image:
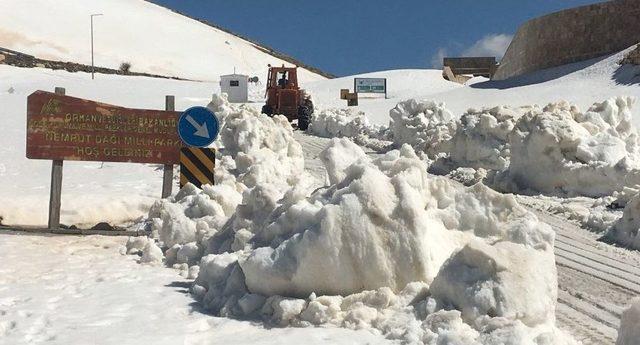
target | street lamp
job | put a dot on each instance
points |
(93, 69)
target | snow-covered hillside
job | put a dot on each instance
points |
(152, 38)
(581, 83)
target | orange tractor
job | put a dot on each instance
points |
(285, 97)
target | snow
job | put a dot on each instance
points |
(420, 124)
(114, 201)
(338, 156)
(269, 259)
(629, 333)
(337, 122)
(81, 290)
(151, 38)
(581, 83)
(376, 249)
(401, 85)
(557, 150)
(561, 151)
(627, 229)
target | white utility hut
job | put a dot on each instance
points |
(236, 87)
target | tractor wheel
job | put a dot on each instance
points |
(304, 116)
(266, 109)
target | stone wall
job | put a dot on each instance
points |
(572, 35)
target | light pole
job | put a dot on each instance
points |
(93, 68)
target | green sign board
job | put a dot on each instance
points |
(370, 85)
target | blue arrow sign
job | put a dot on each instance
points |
(198, 126)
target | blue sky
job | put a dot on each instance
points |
(346, 37)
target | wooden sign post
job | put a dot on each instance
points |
(62, 128)
(55, 194)
(167, 178)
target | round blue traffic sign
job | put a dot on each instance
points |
(198, 126)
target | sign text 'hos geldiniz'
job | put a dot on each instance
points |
(67, 128)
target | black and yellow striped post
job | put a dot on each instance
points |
(196, 165)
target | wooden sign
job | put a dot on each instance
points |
(67, 128)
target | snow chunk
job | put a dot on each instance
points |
(420, 124)
(340, 122)
(481, 138)
(135, 245)
(505, 280)
(626, 230)
(188, 253)
(338, 156)
(629, 333)
(151, 253)
(556, 150)
(219, 277)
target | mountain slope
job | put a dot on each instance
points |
(152, 38)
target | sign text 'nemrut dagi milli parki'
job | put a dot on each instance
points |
(60, 127)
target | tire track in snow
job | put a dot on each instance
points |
(582, 328)
(594, 282)
(596, 269)
(565, 245)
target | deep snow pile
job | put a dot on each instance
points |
(384, 247)
(423, 125)
(420, 259)
(629, 333)
(562, 151)
(480, 140)
(555, 150)
(340, 122)
(258, 161)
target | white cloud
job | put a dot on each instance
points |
(490, 45)
(436, 59)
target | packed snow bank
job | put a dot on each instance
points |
(555, 150)
(395, 253)
(391, 237)
(340, 122)
(420, 124)
(629, 333)
(336, 122)
(386, 227)
(562, 151)
(258, 161)
(627, 229)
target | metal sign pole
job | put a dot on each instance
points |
(167, 180)
(385, 88)
(56, 185)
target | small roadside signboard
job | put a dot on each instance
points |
(198, 127)
(61, 127)
(370, 85)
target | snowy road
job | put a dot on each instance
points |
(595, 282)
(72, 290)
